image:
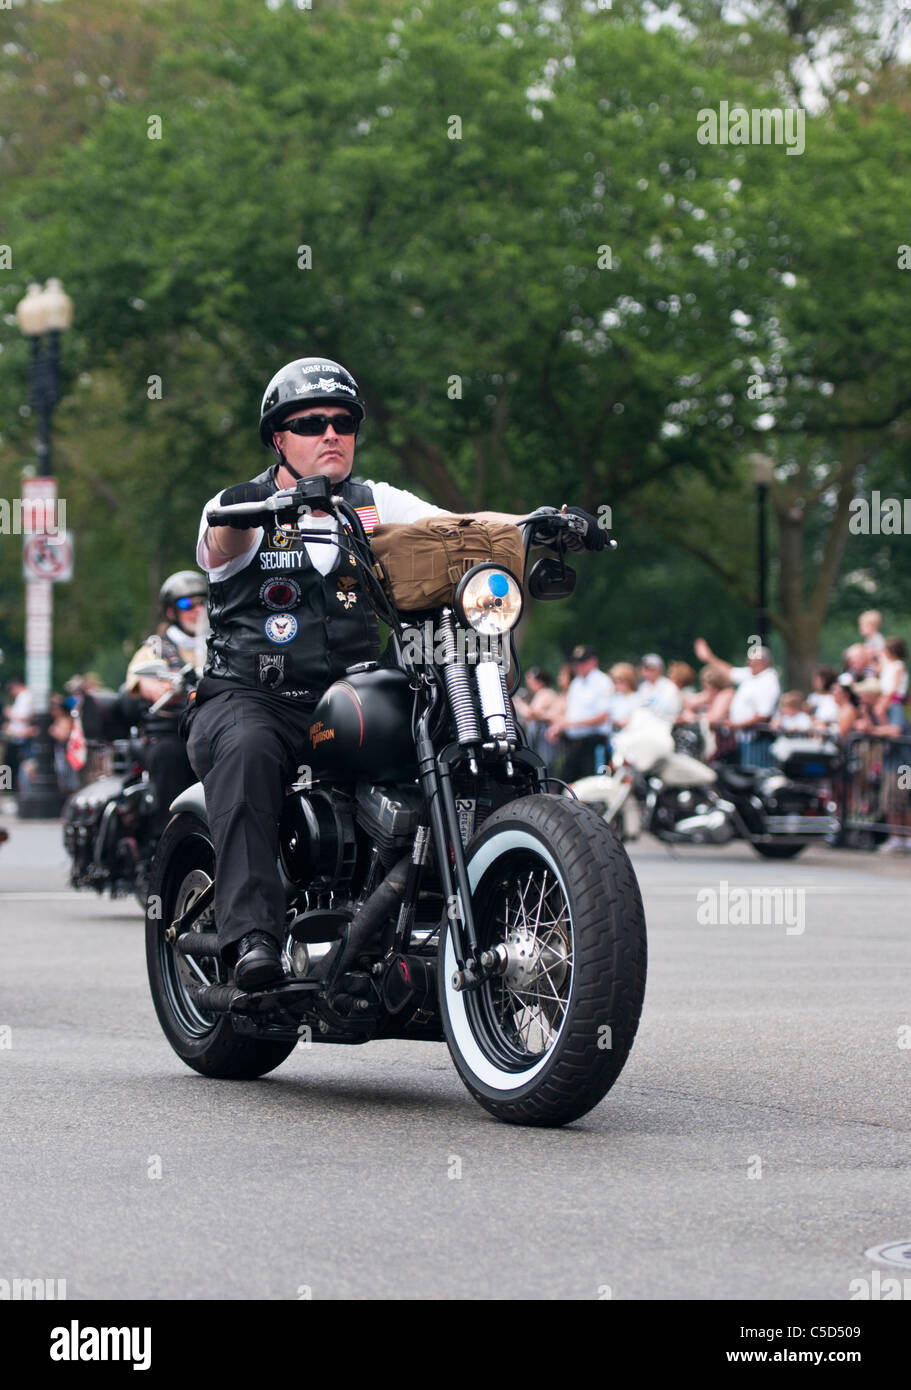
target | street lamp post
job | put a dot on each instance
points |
(764, 474)
(48, 310)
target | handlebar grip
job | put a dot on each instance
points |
(223, 516)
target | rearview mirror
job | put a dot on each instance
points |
(550, 578)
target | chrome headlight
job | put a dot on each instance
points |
(489, 599)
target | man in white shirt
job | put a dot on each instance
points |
(657, 692)
(18, 727)
(288, 616)
(758, 689)
(586, 723)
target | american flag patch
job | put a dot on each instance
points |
(369, 518)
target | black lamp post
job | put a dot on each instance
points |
(764, 474)
(42, 311)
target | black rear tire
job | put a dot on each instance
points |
(544, 1042)
(779, 851)
(183, 863)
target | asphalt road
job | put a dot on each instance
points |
(755, 1146)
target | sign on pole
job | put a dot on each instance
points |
(44, 557)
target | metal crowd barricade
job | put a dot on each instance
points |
(745, 747)
(876, 784)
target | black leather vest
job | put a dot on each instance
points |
(278, 625)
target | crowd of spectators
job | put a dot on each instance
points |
(19, 729)
(571, 720)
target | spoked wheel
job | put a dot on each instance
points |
(521, 1013)
(183, 868)
(555, 898)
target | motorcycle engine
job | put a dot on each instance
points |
(316, 840)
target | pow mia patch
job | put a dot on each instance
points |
(281, 627)
(271, 669)
(280, 593)
(280, 539)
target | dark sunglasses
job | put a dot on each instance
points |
(192, 601)
(312, 425)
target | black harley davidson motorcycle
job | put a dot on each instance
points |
(438, 884)
(110, 827)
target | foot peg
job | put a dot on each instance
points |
(198, 943)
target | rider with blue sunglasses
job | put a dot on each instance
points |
(178, 642)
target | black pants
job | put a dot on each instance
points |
(579, 760)
(246, 749)
(170, 770)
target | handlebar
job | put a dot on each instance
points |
(179, 682)
(543, 527)
(281, 501)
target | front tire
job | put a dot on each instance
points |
(183, 866)
(544, 1041)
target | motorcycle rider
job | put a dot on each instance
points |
(288, 616)
(182, 601)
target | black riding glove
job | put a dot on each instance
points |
(247, 492)
(543, 533)
(592, 538)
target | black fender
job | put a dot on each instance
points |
(192, 799)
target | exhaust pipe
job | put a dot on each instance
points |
(709, 827)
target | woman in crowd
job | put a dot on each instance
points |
(715, 696)
(683, 676)
(893, 677)
(821, 701)
(625, 697)
(538, 710)
(847, 704)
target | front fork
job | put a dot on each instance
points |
(473, 967)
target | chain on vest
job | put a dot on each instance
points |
(281, 626)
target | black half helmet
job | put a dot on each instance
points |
(307, 381)
(183, 584)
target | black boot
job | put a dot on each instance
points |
(259, 962)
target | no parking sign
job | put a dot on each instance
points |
(48, 557)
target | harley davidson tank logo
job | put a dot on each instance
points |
(271, 669)
(280, 593)
(318, 734)
(281, 627)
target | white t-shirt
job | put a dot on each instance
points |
(661, 697)
(755, 695)
(622, 705)
(797, 723)
(587, 696)
(823, 706)
(21, 714)
(393, 505)
(893, 677)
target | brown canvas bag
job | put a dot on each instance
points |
(426, 559)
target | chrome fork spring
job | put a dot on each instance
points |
(455, 674)
(511, 734)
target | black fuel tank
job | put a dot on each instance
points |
(362, 726)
